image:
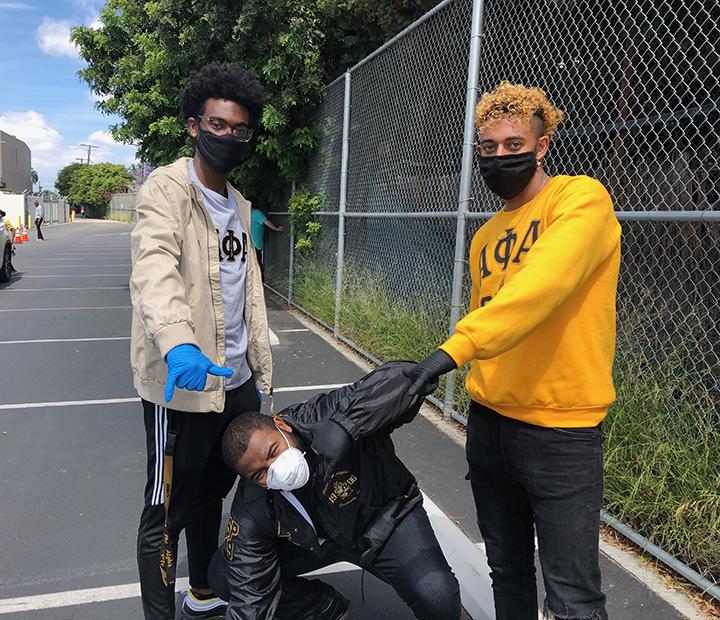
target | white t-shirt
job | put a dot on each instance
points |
(39, 212)
(233, 242)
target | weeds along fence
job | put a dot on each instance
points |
(401, 202)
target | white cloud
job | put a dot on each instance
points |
(49, 152)
(53, 37)
(32, 128)
(15, 6)
(103, 137)
(95, 98)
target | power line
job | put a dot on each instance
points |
(89, 148)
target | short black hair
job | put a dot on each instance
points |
(239, 433)
(223, 80)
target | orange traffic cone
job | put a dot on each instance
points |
(25, 235)
(18, 237)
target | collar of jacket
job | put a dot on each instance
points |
(178, 170)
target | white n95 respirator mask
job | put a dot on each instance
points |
(289, 471)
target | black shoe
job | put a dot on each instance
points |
(338, 608)
(194, 608)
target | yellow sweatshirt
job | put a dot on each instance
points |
(540, 335)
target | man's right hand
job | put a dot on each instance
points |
(425, 375)
(188, 368)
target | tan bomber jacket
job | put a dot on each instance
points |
(176, 295)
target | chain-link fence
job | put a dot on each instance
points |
(401, 203)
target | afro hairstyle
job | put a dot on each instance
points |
(223, 80)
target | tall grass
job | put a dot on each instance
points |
(127, 218)
(384, 327)
(662, 457)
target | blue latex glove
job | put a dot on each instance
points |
(188, 368)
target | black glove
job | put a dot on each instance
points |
(331, 443)
(424, 376)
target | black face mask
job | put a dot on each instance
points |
(222, 153)
(507, 175)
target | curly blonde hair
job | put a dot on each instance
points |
(518, 102)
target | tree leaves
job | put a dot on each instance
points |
(145, 51)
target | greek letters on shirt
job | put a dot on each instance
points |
(506, 251)
(232, 247)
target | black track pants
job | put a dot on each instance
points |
(201, 480)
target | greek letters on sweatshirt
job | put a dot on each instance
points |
(540, 335)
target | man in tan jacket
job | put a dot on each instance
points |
(200, 349)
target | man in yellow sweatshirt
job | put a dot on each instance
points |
(540, 341)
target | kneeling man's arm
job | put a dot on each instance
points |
(252, 569)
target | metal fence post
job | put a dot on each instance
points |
(343, 202)
(466, 172)
(291, 259)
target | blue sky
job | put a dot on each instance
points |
(42, 100)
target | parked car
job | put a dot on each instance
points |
(6, 246)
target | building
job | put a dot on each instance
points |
(15, 167)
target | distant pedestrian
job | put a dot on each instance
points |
(259, 221)
(39, 217)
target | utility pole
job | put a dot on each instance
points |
(89, 147)
(80, 159)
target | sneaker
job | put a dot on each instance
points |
(337, 609)
(207, 609)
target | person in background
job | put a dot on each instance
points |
(540, 341)
(39, 217)
(200, 348)
(259, 222)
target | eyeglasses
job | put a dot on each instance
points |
(219, 126)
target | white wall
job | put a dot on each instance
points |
(13, 205)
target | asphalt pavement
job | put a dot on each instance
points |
(72, 461)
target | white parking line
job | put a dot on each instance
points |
(68, 288)
(114, 593)
(77, 597)
(47, 340)
(116, 401)
(70, 403)
(309, 388)
(66, 308)
(274, 340)
(292, 331)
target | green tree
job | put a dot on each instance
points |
(92, 186)
(34, 176)
(64, 178)
(143, 54)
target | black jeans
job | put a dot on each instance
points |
(200, 482)
(411, 562)
(38, 224)
(524, 475)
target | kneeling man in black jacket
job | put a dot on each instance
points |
(328, 487)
